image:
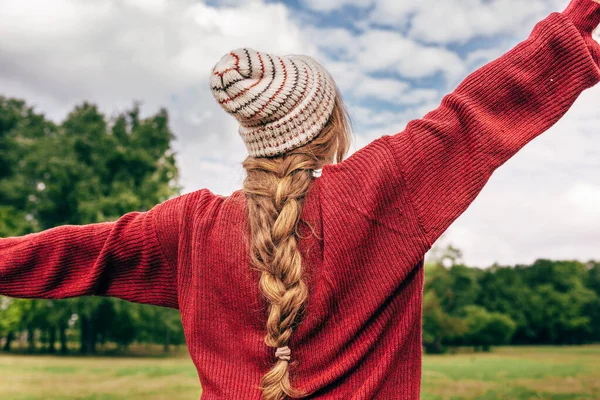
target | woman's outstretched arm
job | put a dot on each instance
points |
(445, 158)
(133, 258)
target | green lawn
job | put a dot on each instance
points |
(555, 373)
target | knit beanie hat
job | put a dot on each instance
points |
(281, 103)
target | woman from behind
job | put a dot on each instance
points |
(323, 298)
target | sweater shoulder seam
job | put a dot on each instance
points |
(400, 171)
(168, 262)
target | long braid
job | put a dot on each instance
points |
(275, 188)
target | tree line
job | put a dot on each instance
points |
(93, 168)
(546, 302)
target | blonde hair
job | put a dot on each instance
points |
(275, 188)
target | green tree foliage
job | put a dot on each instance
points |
(87, 169)
(485, 328)
(548, 302)
(592, 309)
(439, 328)
(505, 291)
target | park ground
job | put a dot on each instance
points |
(556, 373)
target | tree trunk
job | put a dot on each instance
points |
(92, 336)
(62, 329)
(44, 339)
(83, 347)
(31, 339)
(88, 335)
(167, 340)
(51, 340)
(9, 339)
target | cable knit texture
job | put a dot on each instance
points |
(375, 215)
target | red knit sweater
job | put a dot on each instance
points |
(375, 215)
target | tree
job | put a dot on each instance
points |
(556, 311)
(439, 328)
(485, 328)
(503, 290)
(87, 169)
(592, 309)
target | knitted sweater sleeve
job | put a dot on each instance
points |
(133, 258)
(446, 157)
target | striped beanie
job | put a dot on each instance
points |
(280, 102)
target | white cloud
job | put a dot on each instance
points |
(353, 81)
(378, 50)
(149, 6)
(381, 50)
(477, 58)
(449, 21)
(393, 91)
(330, 5)
(458, 20)
(333, 40)
(36, 23)
(584, 197)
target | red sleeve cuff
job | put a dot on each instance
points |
(585, 15)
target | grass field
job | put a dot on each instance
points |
(557, 373)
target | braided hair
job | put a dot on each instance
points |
(275, 188)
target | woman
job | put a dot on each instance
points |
(299, 285)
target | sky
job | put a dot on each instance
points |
(393, 61)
